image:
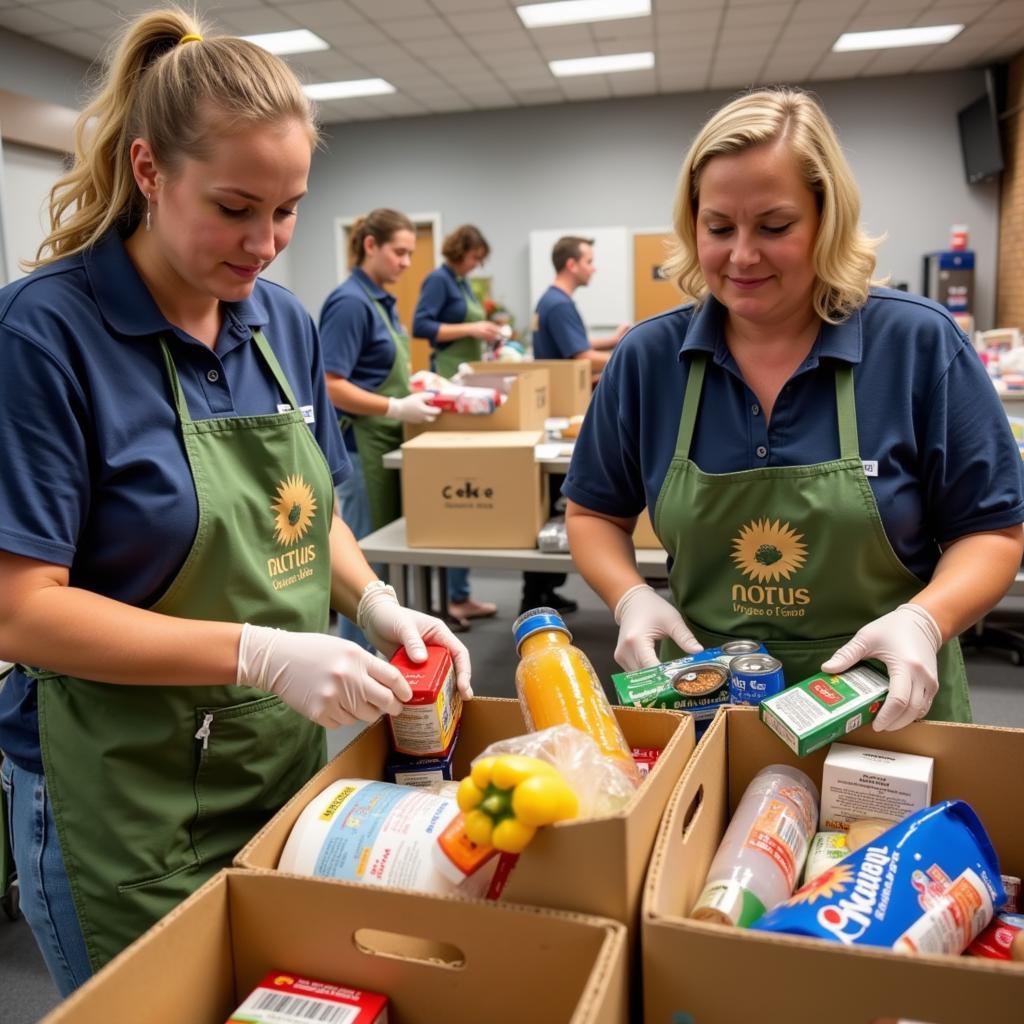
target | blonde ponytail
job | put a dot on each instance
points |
(177, 97)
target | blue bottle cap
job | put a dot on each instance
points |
(536, 621)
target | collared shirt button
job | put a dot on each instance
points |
(213, 376)
(761, 451)
(755, 409)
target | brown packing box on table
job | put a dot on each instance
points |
(570, 381)
(437, 959)
(643, 533)
(594, 867)
(687, 964)
(473, 490)
(526, 408)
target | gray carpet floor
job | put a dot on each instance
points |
(997, 693)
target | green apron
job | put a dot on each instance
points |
(378, 435)
(462, 350)
(155, 788)
(795, 556)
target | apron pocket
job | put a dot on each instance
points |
(251, 758)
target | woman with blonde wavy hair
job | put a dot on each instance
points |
(825, 461)
(169, 552)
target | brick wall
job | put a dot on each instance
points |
(1010, 280)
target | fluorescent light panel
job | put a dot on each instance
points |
(890, 38)
(573, 12)
(609, 64)
(283, 43)
(348, 90)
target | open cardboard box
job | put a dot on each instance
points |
(594, 867)
(437, 959)
(526, 408)
(712, 974)
(570, 381)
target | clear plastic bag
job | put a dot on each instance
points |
(598, 782)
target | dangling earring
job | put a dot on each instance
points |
(149, 214)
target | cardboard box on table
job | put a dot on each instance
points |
(526, 408)
(436, 958)
(643, 533)
(482, 490)
(594, 867)
(570, 381)
(712, 974)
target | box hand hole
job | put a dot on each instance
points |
(397, 946)
(691, 811)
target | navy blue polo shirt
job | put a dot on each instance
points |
(356, 342)
(95, 475)
(559, 332)
(442, 301)
(947, 464)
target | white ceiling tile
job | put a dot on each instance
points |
(1008, 10)
(623, 28)
(905, 7)
(692, 21)
(684, 80)
(607, 46)
(731, 79)
(591, 87)
(326, 66)
(788, 69)
(451, 106)
(447, 49)
(491, 95)
(567, 34)
(633, 83)
(470, 5)
(404, 29)
(486, 42)
(895, 62)
(379, 10)
(251, 20)
(83, 14)
(325, 14)
(390, 55)
(581, 48)
(398, 104)
(754, 17)
(539, 97)
(29, 22)
(842, 65)
(527, 60)
(485, 21)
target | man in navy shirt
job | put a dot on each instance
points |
(558, 331)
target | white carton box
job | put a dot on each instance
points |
(860, 782)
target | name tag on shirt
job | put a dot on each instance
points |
(306, 410)
(870, 467)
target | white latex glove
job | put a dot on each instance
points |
(414, 408)
(643, 619)
(907, 640)
(331, 681)
(388, 626)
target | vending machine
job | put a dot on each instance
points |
(949, 279)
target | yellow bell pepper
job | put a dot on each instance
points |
(508, 797)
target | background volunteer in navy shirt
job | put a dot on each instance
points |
(452, 319)
(168, 553)
(366, 356)
(558, 330)
(831, 469)
(448, 314)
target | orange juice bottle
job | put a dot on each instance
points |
(557, 685)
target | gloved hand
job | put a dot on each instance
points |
(414, 408)
(330, 681)
(644, 618)
(907, 640)
(388, 626)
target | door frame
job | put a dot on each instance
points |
(341, 225)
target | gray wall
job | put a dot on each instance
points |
(39, 71)
(615, 163)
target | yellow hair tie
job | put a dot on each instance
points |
(190, 38)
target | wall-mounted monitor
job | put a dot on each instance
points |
(979, 139)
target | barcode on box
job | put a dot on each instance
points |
(284, 1009)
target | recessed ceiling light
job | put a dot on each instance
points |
(608, 64)
(573, 12)
(927, 35)
(301, 40)
(348, 90)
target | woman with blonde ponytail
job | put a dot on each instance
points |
(168, 550)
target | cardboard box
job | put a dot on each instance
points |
(570, 381)
(798, 980)
(526, 408)
(473, 490)
(436, 959)
(594, 867)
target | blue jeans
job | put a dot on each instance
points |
(43, 887)
(458, 585)
(354, 509)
